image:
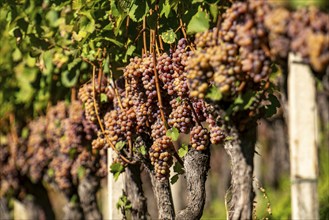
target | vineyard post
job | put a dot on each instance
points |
(115, 188)
(302, 140)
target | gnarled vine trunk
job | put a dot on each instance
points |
(135, 192)
(162, 192)
(72, 211)
(196, 164)
(87, 190)
(241, 148)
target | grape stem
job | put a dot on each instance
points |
(115, 90)
(194, 112)
(14, 136)
(73, 94)
(131, 153)
(181, 25)
(100, 76)
(100, 122)
(161, 44)
(157, 85)
(127, 25)
(144, 35)
(158, 89)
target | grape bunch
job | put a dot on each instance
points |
(92, 101)
(9, 175)
(234, 57)
(89, 162)
(59, 143)
(60, 167)
(215, 130)
(207, 39)
(179, 59)
(158, 129)
(304, 32)
(161, 156)
(181, 116)
(199, 138)
(38, 151)
(119, 124)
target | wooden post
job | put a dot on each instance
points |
(114, 190)
(302, 140)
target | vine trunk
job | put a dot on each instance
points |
(241, 150)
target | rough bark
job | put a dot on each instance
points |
(4, 210)
(87, 190)
(241, 151)
(162, 192)
(135, 192)
(72, 211)
(196, 164)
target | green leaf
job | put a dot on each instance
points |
(129, 52)
(138, 10)
(169, 36)
(104, 97)
(214, 11)
(75, 62)
(77, 4)
(119, 145)
(50, 172)
(198, 23)
(106, 65)
(72, 151)
(70, 78)
(25, 132)
(182, 151)
(17, 55)
(52, 17)
(123, 203)
(90, 26)
(274, 104)
(165, 9)
(119, 44)
(174, 179)
(74, 199)
(214, 94)
(124, 5)
(116, 169)
(142, 150)
(173, 133)
(178, 168)
(78, 37)
(229, 138)
(81, 172)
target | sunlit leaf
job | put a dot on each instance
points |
(116, 169)
(214, 94)
(198, 23)
(173, 133)
(119, 145)
(182, 151)
(169, 36)
(69, 78)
